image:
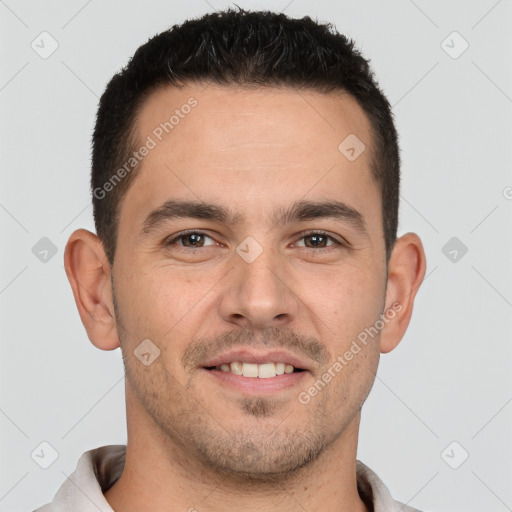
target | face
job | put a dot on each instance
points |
(263, 277)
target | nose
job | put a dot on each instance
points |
(259, 294)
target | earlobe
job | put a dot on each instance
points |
(406, 270)
(88, 272)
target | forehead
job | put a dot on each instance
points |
(240, 147)
(265, 115)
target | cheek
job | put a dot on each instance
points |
(347, 300)
(169, 308)
(359, 375)
(340, 391)
(157, 300)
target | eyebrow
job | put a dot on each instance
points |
(298, 211)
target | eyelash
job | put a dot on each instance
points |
(305, 234)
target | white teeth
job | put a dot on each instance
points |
(266, 370)
(249, 370)
(236, 368)
(263, 371)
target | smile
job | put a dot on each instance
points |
(262, 371)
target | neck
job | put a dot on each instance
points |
(161, 475)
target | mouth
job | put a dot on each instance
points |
(253, 370)
(256, 385)
(257, 373)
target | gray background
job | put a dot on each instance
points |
(449, 380)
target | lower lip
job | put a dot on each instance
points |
(256, 385)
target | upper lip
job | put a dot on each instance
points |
(245, 355)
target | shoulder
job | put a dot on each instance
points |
(374, 492)
(45, 508)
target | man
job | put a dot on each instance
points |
(245, 181)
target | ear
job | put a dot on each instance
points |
(88, 272)
(406, 270)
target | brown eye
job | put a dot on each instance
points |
(193, 239)
(317, 240)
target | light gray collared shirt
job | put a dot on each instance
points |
(97, 470)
